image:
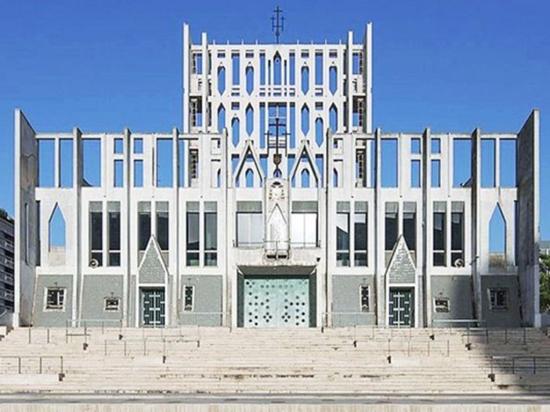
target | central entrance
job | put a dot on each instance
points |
(153, 307)
(401, 306)
(277, 301)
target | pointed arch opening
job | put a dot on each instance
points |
(497, 239)
(319, 135)
(235, 131)
(221, 118)
(221, 80)
(57, 229)
(249, 178)
(249, 79)
(277, 70)
(305, 79)
(305, 119)
(305, 178)
(333, 79)
(333, 118)
(249, 120)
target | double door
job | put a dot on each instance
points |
(153, 307)
(401, 307)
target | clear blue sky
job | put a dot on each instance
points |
(104, 65)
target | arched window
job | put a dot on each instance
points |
(249, 79)
(235, 130)
(319, 137)
(221, 79)
(333, 79)
(221, 118)
(249, 120)
(334, 178)
(305, 119)
(305, 79)
(249, 176)
(333, 118)
(219, 178)
(277, 72)
(305, 178)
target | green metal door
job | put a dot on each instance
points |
(153, 307)
(401, 307)
(276, 301)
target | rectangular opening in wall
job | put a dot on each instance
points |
(415, 174)
(389, 163)
(457, 234)
(250, 224)
(303, 233)
(138, 145)
(391, 228)
(38, 252)
(181, 162)
(318, 68)
(462, 163)
(436, 146)
(409, 226)
(357, 63)
(342, 234)
(360, 234)
(197, 63)
(111, 304)
(66, 162)
(488, 163)
(415, 146)
(96, 234)
(439, 234)
(55, 299)
(91, 158)
(436, 173)
(193, 172)
(235, 68)
(498, 299)
(118, 146)
(163, 226)
(164, 162)
(138, 173)
(210, 234)
(508, 162)
(113, 210)
(292, 69)
(46, 162)
(441, 305)
(192, 234)
(118, 173)
(144, 224)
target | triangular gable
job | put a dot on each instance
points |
(152, 268)
(401, 268)
(304, 148)
(248, 148)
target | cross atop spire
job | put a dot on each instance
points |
(277, 23)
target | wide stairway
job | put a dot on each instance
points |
(360, 360)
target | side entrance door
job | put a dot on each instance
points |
(153, 308)
(401, 307)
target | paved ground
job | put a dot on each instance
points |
(378, 399)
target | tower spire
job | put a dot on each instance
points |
(277, 23)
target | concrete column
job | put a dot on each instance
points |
(427, 235)
(367, 76)
(77, 229)
(476, 220)
(128, 184)
(186, 77)
(378, 227)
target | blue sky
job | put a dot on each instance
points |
(103, 65)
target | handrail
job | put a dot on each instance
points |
(109, 343)
(61, 373)
(518, 363)
(466, 322)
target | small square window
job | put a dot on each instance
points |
(112, 304)
(119, 148)
(436, 146)
(364, 290)
(415, 146)
(188, 299)
(138, 146)
(55, 299)
(498, 299)
(441, 305)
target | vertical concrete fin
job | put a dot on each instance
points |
(528, 218)
(426, 293)
(26, 179)
(476, 219)
(367, 77)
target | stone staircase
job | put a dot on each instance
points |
(358, 361)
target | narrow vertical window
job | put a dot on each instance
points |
(181, 162)
(457, 234)
(262, 68)
(249, 79)
(235, 131)
(210, 234)
(96, 234)
(118, 173)
(235, 68)
(138, 145)
(277, 70)
(342, 234)
(319, 132)
(113, 210)
(118, 146)
(305, 79)
(192, 234)
(436, 146)
(436, 173)
(221, 79)
(391, 226)
(415, 146)
(361, 168)
(415, 173)
(46, 163)
(144, 225)
(333, 79)
(409, 227)
(389, 163)
(292, 69)
(305, 120)
(163, 226)
(439, 234)
(488, 160)
(360, 234)
(188, 298)
(37, 234)
(318, 68)
(193, 165)
(138, 173)
(462, 162)
(333, 118)
(364, 295)
(508, 163)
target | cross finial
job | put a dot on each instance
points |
(277, 22)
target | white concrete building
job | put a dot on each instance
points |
(276, 204)
(6, 267)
